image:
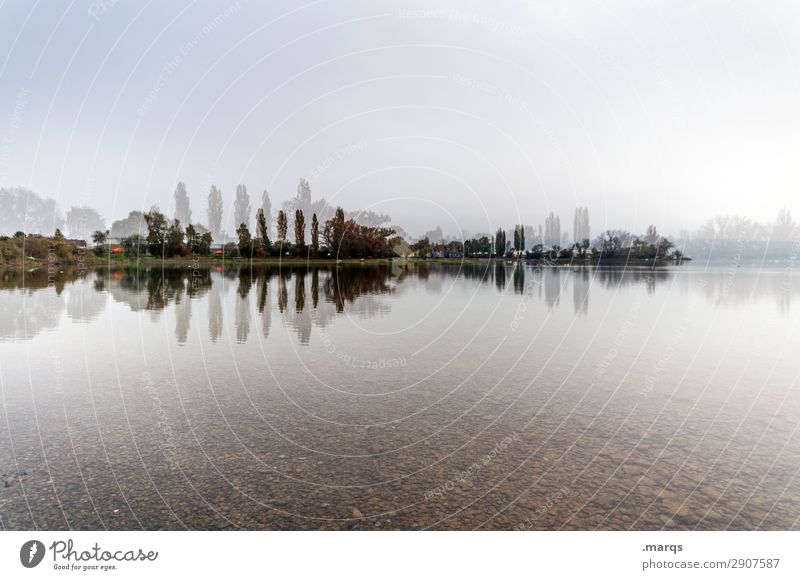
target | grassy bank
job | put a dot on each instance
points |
(39, 251)
(87, 259)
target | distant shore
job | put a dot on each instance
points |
(89, 260)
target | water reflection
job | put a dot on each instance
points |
(552, 287)
(500, 275)
(183, 317)
(264, 305)
(242, 319)
(580, 291)
(324, 390)
(32, 302)
(85, 300)
(215, 312)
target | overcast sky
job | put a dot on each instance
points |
(460, 114)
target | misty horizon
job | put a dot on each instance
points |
(466, 116)
(549, 230)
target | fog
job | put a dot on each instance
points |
(463, 115)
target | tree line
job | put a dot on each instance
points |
(337, 237)
(609, 244)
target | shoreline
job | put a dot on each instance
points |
(149, 261)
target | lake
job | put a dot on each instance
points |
(410, 396)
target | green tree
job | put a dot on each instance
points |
(245, 240)
(314, 234)
(662, 248)
(134, 245)
(422, 247)
(156, 231)
(205, 243)
(174, 244)
(262, 232)
(283, 226)
(99, 237)
(500, 243)
(192, 238)
(299, 230)
(334, 234)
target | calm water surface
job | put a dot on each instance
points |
(405, 397)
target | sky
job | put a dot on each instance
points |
(468, 115)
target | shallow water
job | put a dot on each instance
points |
(405, 397)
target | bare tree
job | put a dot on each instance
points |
(302, 201)
(580, 224)
(304, 193)
(552, 230)
(369, 218)
(651, 235)
(241, 206)
(23, 210)
(266, 206)
(182, 211)
(82, 221)
(133, 225)
(215, 207)
(784, 227)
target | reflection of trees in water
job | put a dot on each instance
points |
(479, 273)
(283, 293)
(154, 289)
(735, 286)
(613, 278)
(315, 288)
(300, 290)
(500, 275)
(199, 282)
(551, 280)
(183, 316)
(344, 285)
(300, 319)
(264, 304)
(215, 311)
(196, 285)
(519, 279)
(32, 301)
(331, 291)
(580, 291)
(242, 310)
(319, 295)
(162, 288)
(433, 276)
(24, 314)
(39, 279)
(132, 291)
(84, 302)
